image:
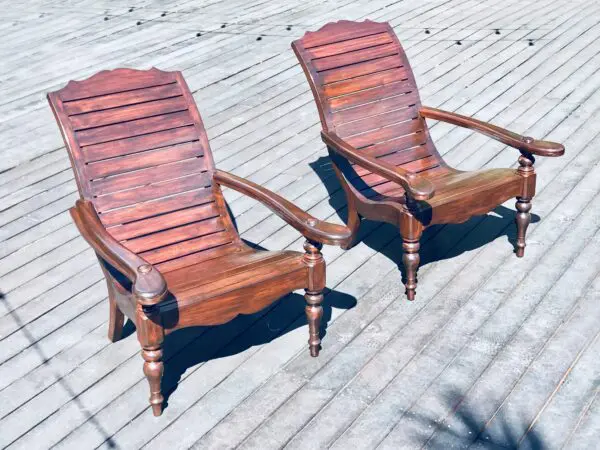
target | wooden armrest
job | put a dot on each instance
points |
(312, 228)
(522, 143)
(415, 185)
(148, 285)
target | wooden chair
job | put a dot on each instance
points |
(375, 130)
(152, 209)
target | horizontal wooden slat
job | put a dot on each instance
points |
(164, 221)
(417, 166)
(340, 32)
(383, 134)
(375, 107)
(152, 208)
(133, 128)
(149, 175)
(364, 82)
(136, 144)
(146, 159)
(360, 68)
(149, 192)
(404, 157)
(202, 256)
(187, 247)
(369, 95)
(395, 145)
(122, 99)
(331, 62)
(349, 45)
(174, 235)
(110, 82)
(375, 122)
(127, 113)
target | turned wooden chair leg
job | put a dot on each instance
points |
(522, 218)
(153, 369)
(115, 321)
(411, 260)
(151, 335)
(314, 293)
(314, 313)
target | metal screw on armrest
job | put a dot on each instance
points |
(312, 222)
(144, 268)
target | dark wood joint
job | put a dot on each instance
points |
(526, 161)
(527, 171)
(315, 263)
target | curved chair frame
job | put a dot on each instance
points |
(152, 209)
(374, 127)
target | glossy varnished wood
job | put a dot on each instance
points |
(152, 209)
(374, 127)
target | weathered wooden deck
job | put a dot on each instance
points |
(495, 352)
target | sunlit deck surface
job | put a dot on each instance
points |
(496, 352)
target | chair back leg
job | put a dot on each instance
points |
(116, 318)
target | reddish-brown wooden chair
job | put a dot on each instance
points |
(152, 209)
(375, 130)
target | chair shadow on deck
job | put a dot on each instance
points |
(242, 333)
(190, 346)
(487, 230)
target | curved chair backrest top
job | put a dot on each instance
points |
(366, 92)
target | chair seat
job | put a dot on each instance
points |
(229, 273)
(460, 195)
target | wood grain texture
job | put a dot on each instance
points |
(153, 211)
(374, 127)
(263, 392)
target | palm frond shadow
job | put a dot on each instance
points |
(61, 381)
(472, 428)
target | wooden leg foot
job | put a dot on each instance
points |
(153, 369)
(115, 321)
(314, 313)
(411, 261)
(522, 218)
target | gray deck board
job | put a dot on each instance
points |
(496, 352)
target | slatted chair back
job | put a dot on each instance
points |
(366, 93)
(140, 153)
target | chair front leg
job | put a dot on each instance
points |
(151, 336)
(411, 260)
(314, 294)
(523, 219)
(411, 230)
